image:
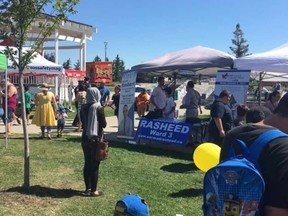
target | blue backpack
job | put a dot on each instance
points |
(235, 186)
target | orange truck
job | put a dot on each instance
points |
(99, 72)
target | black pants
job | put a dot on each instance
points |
(91, 166)
(76, 118)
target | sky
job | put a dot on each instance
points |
(140, 31)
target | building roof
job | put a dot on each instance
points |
(68, 30)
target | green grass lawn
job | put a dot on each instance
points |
(168, 180)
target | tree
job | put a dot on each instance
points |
(67, 64)
(117, 68)
(50, 56)
(16, 20)
(77, 65)
(97, 59)
(241, 47)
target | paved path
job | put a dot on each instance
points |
(110, 132)
(69, 129)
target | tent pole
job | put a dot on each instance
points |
(259, 87)
(6, 108)
(174, 80)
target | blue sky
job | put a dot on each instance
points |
(141, 30)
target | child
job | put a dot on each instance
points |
(61, 120)
(169, 110)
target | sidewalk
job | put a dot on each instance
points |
(112, 125)
(110, 132)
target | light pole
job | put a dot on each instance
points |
(105, 44)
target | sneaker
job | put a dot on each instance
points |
(87, 192)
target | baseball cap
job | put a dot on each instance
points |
(62, 109)
(131, 205)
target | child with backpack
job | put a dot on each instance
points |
(61, 116)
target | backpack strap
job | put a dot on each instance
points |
(258, 145)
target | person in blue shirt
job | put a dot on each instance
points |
(105, 94)
(221, 118)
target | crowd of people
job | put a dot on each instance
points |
(90, 101)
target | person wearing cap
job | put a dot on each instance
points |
(46, 109)
(169, 110)
(105, 93)
(11, 103)
(158, 98)
(61, 116)
(273, 160)
(131, 205)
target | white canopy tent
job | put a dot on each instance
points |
(197, 60)
(38, 66)
(271, 65)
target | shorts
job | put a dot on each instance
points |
(9, 115)
(28, 110)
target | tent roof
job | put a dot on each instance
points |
(39, 65)
(193, 61)
(275, 60)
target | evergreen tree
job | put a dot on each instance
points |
(241, 47)
(50, 56)
(97, 59)
(77, 65)
(118, 68)
(67, 64)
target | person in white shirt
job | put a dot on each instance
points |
(169, 110)
(191, 103)
(158, 99)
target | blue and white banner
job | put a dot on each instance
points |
(126, 104)
(166, 132)
(235, 81)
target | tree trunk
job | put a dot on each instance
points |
(26, 183)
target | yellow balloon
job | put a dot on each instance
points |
(206, 156)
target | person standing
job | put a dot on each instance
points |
(105, 94)
(169, 110)
(11, 96)
(273, 160)
(221, 118)
(93, 119)
(142, 101)
(158, 98)
(116, 100)
(46, 109)
(61, 116)
(191, 102)
(76, 118)
(81, 98)
(240, 119)
(273, 100)
(28, 98)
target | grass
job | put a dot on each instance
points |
(168, 180)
